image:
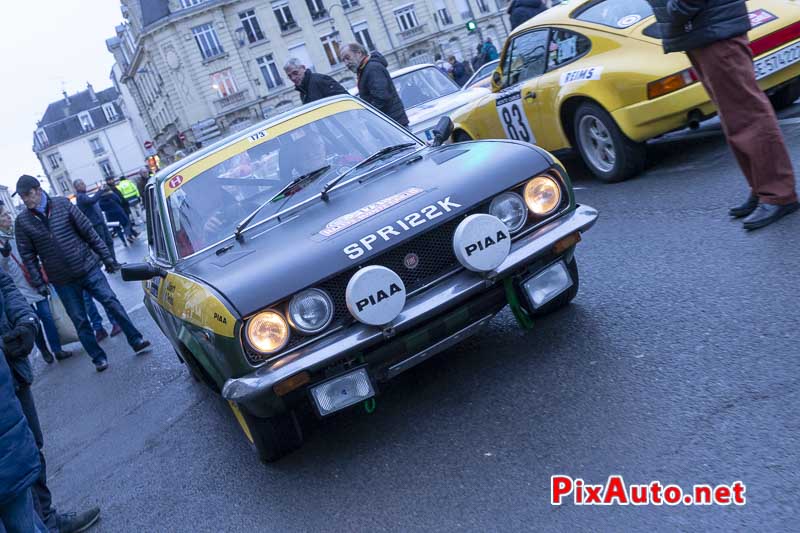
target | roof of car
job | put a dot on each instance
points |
(170, 170)
(412, 68)
(563, 14)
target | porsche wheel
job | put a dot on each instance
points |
(785, 96)
(609, 154)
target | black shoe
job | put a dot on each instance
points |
(102, 365)
(75, 523)
(746, 208)
(766, 214)
(141, 345)
(47, 356)
(63, 354)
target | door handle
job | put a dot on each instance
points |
(530, 95)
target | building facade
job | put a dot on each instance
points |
(201, 69)
(86, 136)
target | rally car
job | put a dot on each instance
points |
(591, 75)
(298, 265)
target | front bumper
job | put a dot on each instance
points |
(255, 390)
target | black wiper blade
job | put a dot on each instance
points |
(377, 155)
(287, 190)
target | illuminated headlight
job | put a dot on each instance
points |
(542, 195)
(267, 332)
(510, 208)
(311, 311)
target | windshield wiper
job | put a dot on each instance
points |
(374, 157)
(305, 179)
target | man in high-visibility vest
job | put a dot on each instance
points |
(130, 193)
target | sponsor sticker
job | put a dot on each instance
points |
(628, 20)
(343, 222)
(582, 74)
(175, 182)
(759, 17)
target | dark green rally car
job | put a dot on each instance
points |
(301, 263)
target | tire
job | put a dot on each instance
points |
(274, 437)
(785, 96)
(197, 372)
(461, 136)
(563, 299)
(609, 154)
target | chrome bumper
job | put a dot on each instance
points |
(255, 389)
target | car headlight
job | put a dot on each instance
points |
(510, 208)
(311, 311)
(267, 332)
(542, 195)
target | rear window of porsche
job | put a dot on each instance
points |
(617, 14)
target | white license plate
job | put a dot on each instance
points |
(777, 61)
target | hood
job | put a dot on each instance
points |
(424, 116)
(281, 257)
(377, 56)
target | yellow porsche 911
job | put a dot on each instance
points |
(591, 75)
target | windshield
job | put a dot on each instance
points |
(616, 13)
(205, 209)
(423, 85)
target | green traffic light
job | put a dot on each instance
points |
(471, 26)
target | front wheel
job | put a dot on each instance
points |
(609, 154)
(273, 437)
(785, 96)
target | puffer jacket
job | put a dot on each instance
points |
(16, 311)
(19, 457)
(689, 24)
(522, 10)
(63, 239)
(375, 86)
(317, 86)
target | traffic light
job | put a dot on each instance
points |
(472, 26)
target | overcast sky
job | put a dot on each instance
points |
(47, 45)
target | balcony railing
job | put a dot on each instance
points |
(411, 33)
(288, 26)
(232, 100)
(319, 15)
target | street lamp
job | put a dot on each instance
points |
(344, 12)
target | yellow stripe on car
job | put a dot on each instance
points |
(180, 178)
(195, 304)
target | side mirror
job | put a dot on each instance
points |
(141, 272)
(497, 80)
(442, 131)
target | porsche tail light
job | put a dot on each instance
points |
(671, 83)
(775, 39)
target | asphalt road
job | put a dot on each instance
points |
(678, 362)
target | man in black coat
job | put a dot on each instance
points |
(375, 85)
(310, 85)
(56, 232)
(520, 11)
(713, 33)
(18, 326)
(87, 203)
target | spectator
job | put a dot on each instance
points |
(461, 72)
(111, 204)
(479, 59)
(17, 328)
(714, 36)
(489, 51)
(375, 84)
(19, 462)
(56, 232)
(310, 85)
(111, 186)
(87, 203)
(12, 265)
(520, 11)
(445, 67)
(130, 193)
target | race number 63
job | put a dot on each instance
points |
(512, 117)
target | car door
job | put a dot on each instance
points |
(565, 49)
(158, 255)
(525, 60)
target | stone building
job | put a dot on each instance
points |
(200, 69)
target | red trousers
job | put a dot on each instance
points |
(726, 71)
